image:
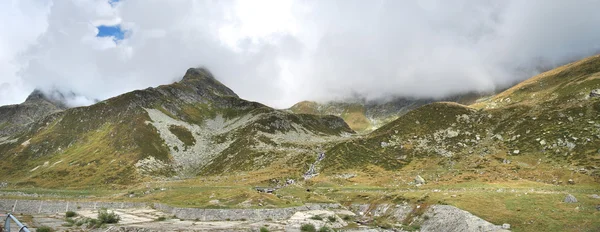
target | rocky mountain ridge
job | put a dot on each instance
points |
(198, 126)
(194, 126)
(16, 118)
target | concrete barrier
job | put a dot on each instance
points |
(50, 207)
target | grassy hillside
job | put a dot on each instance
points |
(548, 123)
(191, 127)
(354, 114)
(365, 116)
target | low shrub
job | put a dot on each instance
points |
(347, 218)
(70, 214)
(105, 217)
(92, 223)
(44, 229)
(69, 222)
(308, 228)
(332, 218)
(79, 222)
(317, 217)
(326, 229)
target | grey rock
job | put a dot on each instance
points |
(571, 181)
(449, 219)
(595, 196)
(506, 226)
(419, 180)
(595, 93)
(384, 144)
(570, 199)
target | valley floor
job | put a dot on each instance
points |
(525, 205)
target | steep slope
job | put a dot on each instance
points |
(564, 86)
(15, 119)
(544, 129)
(195, 126)
(365, 116)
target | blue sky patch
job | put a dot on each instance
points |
(113, 2)
(111, 31)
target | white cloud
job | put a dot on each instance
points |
(281, 51)
(20, 24)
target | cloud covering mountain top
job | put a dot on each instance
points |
(281, 51)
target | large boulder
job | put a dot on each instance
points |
(595, 93)
(451, 219)
(419, 180)
(570, 199)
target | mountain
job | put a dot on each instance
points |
(15, 119)
(191, 127)
(365, 116)
(544, 129)
(517, 159)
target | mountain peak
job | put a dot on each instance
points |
(201, 78)
(197, 74)
(55, 98)
(36, 95)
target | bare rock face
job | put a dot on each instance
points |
(570, 199)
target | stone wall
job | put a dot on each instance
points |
(49, 207)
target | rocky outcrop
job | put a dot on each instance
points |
(435, 218)
(419, 180)
(449, 219)
(15, 119)
(570, 199)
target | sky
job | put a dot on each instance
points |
(279, 52)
